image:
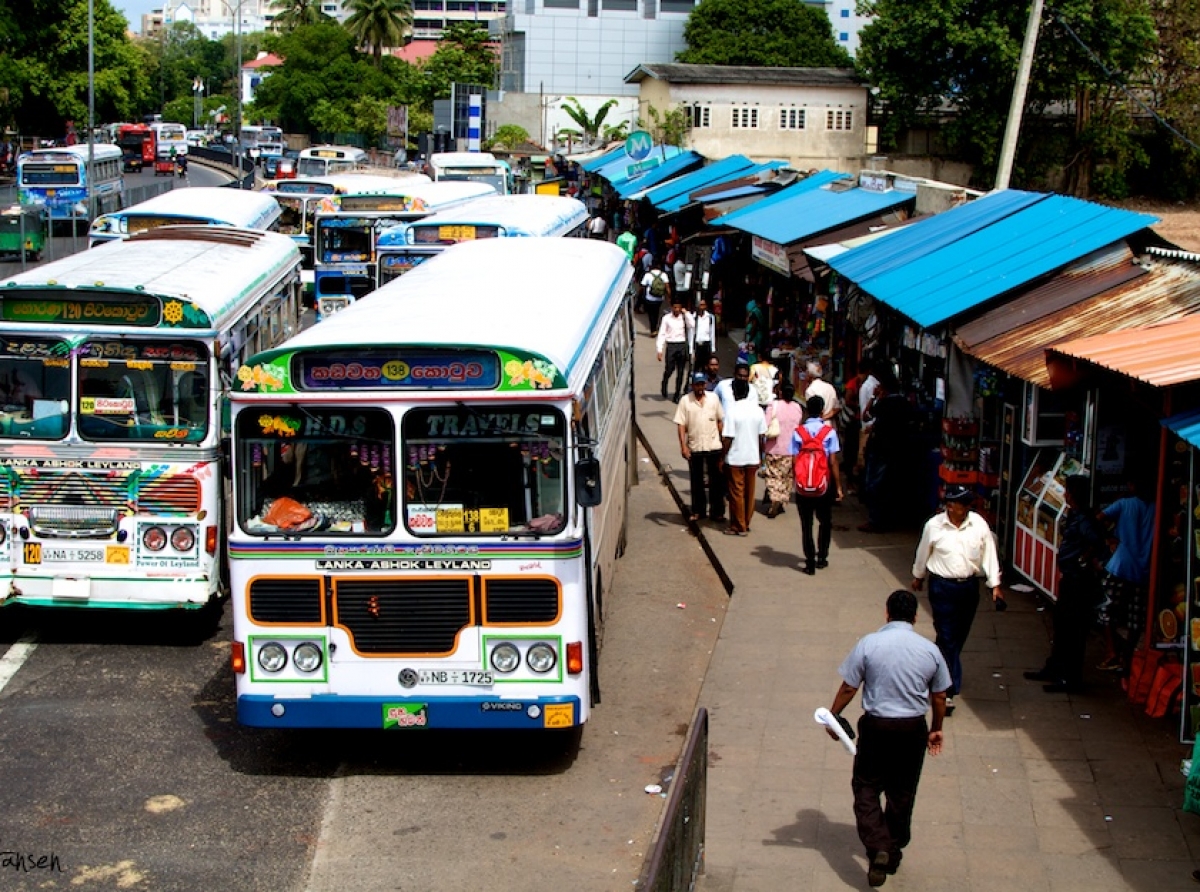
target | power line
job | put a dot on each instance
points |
(1118, 80)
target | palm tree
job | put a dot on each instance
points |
(378, 23)
(589, 125)
(291, 14)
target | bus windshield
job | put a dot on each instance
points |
(156, 391)
(35, 388)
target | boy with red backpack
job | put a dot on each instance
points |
(818, 482)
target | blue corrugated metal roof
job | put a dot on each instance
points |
(726, 168)
(942, 266)
(735, 192)
(617, 168)
(808, 184)
(626, 187)
(606, 158)
(1185, 425)
(684, 198)
(813, 212)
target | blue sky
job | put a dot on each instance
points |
(135, 9)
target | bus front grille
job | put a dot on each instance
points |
(397, 616)
(523, 601)
(292, 601)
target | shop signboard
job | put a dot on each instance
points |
(770, 254)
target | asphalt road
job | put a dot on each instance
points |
(121, 765)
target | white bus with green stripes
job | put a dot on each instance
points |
(419, 535)
(114, 367)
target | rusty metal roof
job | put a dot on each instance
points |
(1158, 354)
(1108, 294)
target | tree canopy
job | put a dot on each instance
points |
(786, 33)
(378, 23)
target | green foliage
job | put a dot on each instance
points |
(788, 33)
(44, 65)
(669, 128)
(510, 136)
(378, 23)
(330, 117)
(952, 65)
(291, 14)
(462, 56)
(589, 125)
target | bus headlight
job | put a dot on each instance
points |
(307, 657)
(541, 658)
(505, 658)
(154, 539)
(272, 657)
(183, 539)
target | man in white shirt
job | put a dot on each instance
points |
(956, 548)
(675, 341)
(656, 287)
(818, 386)
(597, 227)
(724, 388)
(742, 438)
(704, 334)
(866, 398)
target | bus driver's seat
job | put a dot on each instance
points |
(193, 403)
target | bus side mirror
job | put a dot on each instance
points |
(587, 482)
(226, 458)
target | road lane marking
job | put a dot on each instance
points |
(15, 657)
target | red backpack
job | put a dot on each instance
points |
(811, 465)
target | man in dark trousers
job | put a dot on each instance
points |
(901, 675)
(818, 507)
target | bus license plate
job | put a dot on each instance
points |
(71, 555)
(455, 676)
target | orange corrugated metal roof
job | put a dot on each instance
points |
(1157, 354)
(1168, 291)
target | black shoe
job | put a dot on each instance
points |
(808, 570)
(1038, 675)
(664, 394)
(894, 860)
(821, 564)
(877, 873)
(717, 518)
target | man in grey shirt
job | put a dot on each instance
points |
(901, 674)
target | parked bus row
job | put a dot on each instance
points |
(492, 442)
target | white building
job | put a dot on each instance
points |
(586, 47)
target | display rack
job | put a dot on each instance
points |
(1040, 506)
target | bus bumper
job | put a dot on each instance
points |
(403, 713)
(107, 594)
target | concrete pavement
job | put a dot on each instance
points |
(1032, 792)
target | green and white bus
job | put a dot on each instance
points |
(419, 535)
(113, 370)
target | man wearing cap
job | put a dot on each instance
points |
(956, 548)
(699, 420)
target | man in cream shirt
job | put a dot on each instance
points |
(956, 548)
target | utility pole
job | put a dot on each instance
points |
(91, 124)
(1008, 150)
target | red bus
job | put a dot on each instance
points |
(137, 146)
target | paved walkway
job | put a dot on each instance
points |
(1032, 792)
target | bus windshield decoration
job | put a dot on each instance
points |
(53, 306)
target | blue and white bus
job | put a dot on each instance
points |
(496, 216)
(345, 239)
(203, 205)
(58, 180)
(427, 515)
(478, 167)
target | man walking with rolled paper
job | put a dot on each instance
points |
(902, 674)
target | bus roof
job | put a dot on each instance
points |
(424, 197)
(519, 215)
(100, 151)
(213, 204)
(491, 289)
(214, 270)
(348, 182)
(462, 159)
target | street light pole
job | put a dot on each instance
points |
(237, 40)
(91, 124)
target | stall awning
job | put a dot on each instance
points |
(810, 212)
(1185, 425)
(1161, 355)
(808, 184)
(725, 169)
(594, 164)
(697, 195)
(645, 179)
(952, 262)
(797, 252)
(1105, 293)
(617, 166)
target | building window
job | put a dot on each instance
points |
(791, 119)
(678, 5)
(620, 5)
(561, 4)
(843, 36)
(839, 119)
(745, 118)
(700, 116)
(845, 13)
